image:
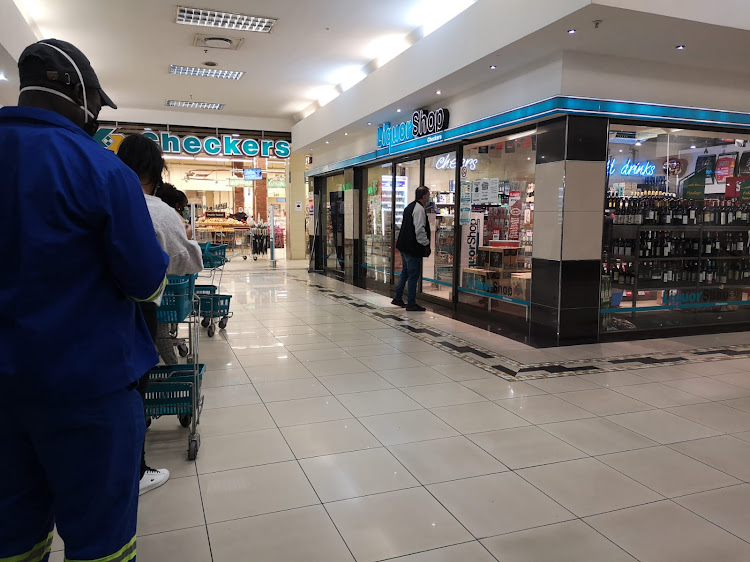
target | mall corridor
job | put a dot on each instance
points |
(337, 427)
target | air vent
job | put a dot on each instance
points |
(216, 42)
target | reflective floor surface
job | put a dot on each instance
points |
(329, 435)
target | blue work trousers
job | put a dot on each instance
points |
(76, 466)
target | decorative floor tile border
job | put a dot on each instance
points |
(497, 364)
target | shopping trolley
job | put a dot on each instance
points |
(213, 305)
(214, 258)
(176, 389)
(176, 305)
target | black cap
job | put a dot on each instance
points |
(59, 68)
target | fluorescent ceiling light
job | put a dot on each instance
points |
(177, 157)
(521, 135)
(387, 48)
(195, 104)
(323, 94)
(209, 72)
(224, 20)
(212, 159)
(348, 76)
(432, 14)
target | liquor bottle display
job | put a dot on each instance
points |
(663, 242)
(668, 211)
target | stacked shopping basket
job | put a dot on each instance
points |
(212, 304)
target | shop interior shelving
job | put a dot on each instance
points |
(633, 232)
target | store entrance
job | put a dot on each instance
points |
(333, 221)
(437, 271)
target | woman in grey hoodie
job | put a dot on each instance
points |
(144, 157)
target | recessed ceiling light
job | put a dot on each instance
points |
(328, 142)
(529, 158)
(235, 134)
(147, 129)
(571, 32)
(2, 77)
(224, 20)
(492, 67)
(693, 146)
(638, 143)
(398, 111)
(621, 150)
(346, 134)
(438, 92)
(195, 104)
(680, 47)
(209, 72)
(369, 122)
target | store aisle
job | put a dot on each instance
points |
(333, 434)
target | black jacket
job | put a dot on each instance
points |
(407, 237)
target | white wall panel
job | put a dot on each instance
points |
(629, 79)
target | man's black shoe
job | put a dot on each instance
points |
(398, 302)
(415, 308)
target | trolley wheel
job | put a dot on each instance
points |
(255, 258)
(183, 350)
(244, 257)
(205, 322)
(192, 449)
(223, 322)
(211, 331)
(185, 419)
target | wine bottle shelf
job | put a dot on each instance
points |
(615, 257)
(678, 228)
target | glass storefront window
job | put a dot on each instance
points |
(333, 199)
(676, 243)
(378, 223)
(497, 213)
(437, 269)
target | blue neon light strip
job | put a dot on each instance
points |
(443, 283)
(493, 296)
(386, 271)
(673, 307)
(559, 105)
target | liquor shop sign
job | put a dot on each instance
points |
(423, 123)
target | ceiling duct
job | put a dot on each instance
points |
(213, 41)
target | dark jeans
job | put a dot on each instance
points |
(412, 267)
(148, 309)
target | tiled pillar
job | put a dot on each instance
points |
(296, 191)
(261, 199)
(352, 184)
(568, 217)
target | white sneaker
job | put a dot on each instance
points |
(152, 479)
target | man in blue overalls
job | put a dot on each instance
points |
(78, 251)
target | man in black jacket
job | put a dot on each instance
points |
(414, 244)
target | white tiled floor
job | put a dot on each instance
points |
(329, 436)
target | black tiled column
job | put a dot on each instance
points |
(568, 217)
